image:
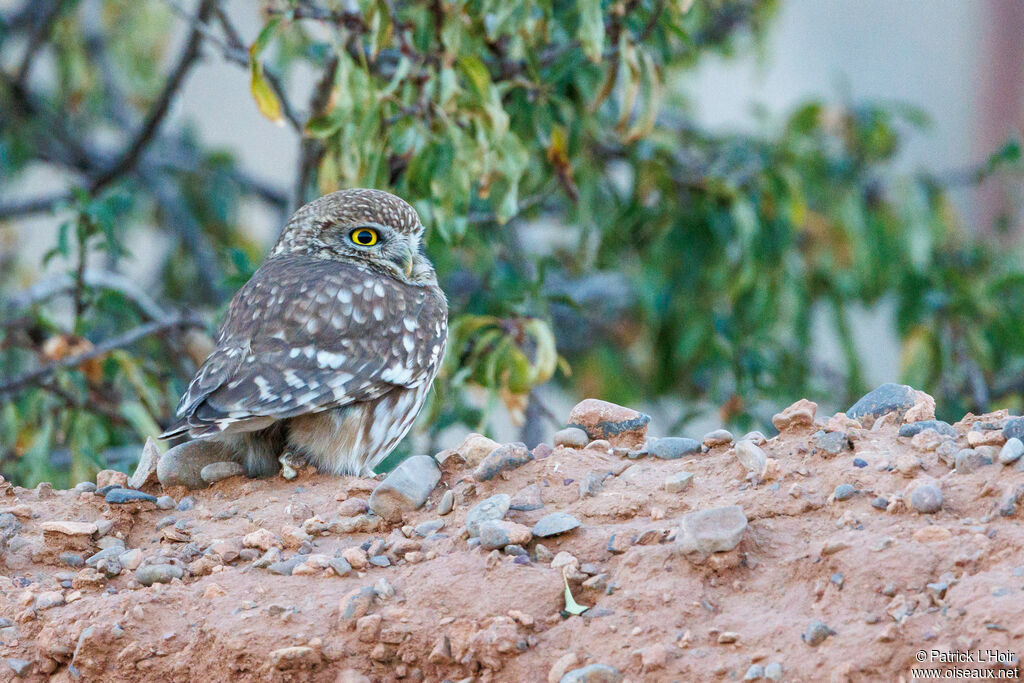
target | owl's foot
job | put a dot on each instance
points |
(291, 462)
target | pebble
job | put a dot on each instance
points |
(165, 503)
(799, 415)
(496, 534)
(85, 487)
(717, 437)
(218, 471)
(106, 478)
(860, 462)
(591, 484)
(970, 460)
(340, 565)
(183, 464)
(751, 456)
(158, 573)
(914, 428)
(502, 459)
(620, 426)
(494, 507)
(130, 559)
(429, 527)
(286, 567)
(816, 633)
(678, 482)
(406, 488)
(554, 524)
(380, 561)
(713, 530)
(145, 471)
(773, 672)
(527, 499)
(674, 447)
(19, 666)
(926, 499)
(72, 559)
(262, 539)
(844, 492)
(475, 447)
(571, 437)
(1011, 451)
(118, 496)
(186, 504)
(593, 673)
(754, 673)
(447, 503)
(887, 398)
(880, 503)
(833, 443)
(357, 603)
(70, 528)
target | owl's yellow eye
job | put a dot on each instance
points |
(364, 237)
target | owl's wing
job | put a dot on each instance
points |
(306, 335)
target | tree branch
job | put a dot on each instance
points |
(41, 374)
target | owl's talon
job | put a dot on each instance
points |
(290, 463)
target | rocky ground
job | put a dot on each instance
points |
(836, 550)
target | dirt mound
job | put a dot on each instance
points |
(836, 575)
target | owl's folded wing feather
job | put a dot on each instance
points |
(306, 335)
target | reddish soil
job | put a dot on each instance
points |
(459, 612)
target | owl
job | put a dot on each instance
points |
(328, 351)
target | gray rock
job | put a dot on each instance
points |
(969, 460)
(594, 673)
(358, 603)
(183, 464)
(405, 488)
(844, 492)
(217, 471)
(926, 499)
(915, 428)
(816, 633)
(678, 482)
(715, 530)
(165, 503)
(493, 535)
(773, 672)
(107, 553)
(501, 459)
(527, 499)
(718, 437)
(887, 398)
(186, 504)
(268, 558)
(1012, 450)
(674, 447)
(880, 503)
(340, 565)
(447, 503)
(118, 496)
(380, 561)
(751, 456)
(1014, 428)
(72, 559)
(85, 487)
(286, 567)
(833, 443)
(429, 527)
(571, 437)
(158, 573)
(554, 524)
(754, 673)
(592, 484)
(19, 666)
(145, 471)
(494, 507)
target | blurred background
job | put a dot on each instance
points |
(705, 210)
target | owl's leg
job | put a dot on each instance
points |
(291, 461)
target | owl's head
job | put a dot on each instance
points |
(369, 227)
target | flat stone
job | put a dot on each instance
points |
(340, 565)
(427, 528)
(447, 503)
(714, 530)
(496, 534)
(527, 499)
(19, 666)
(593, 673)
(674, 447)
(145, 471)
(158, 573)
(285, 567)
(751, 456)
(70, 528)
(926, 499)
(119, 496)
(718, 437)
(554, 524)
(571, 437)
(494, 507)
(799, 415)
(502, 459)
(914, 428)
(183, 464)
(217, 471)
(678, 482)
(107, 553)
(970, 460)
(887, 398)
(1012, 450)
(406, 488)
(620, 426)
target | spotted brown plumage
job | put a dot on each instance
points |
(330, 348)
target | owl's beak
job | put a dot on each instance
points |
(405, 259)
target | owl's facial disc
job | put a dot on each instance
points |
(382, 245)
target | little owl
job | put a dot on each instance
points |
(328, 352)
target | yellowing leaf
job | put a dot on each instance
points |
(266, 100)
(571, 606)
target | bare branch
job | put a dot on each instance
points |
(41, 374)
(93, 277)
(186, 60)
(26, 207)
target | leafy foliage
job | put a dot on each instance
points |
(577, 216)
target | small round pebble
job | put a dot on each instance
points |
(926, 499)
(880, 503)
(165, 503)
(816, 633)
(186, 503)
(217, 471)
(571, 437)
(859, 462)
(85, 487)
(844, 492)
(158, 573)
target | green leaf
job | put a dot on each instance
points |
(571, 606)
(591, 29)
(266, 100)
